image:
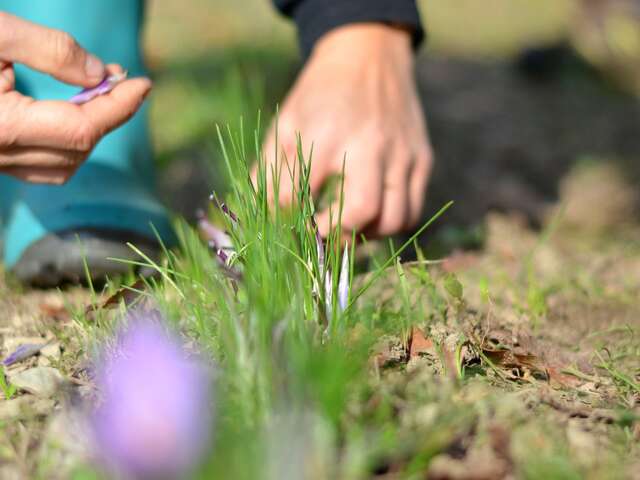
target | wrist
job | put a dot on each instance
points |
(366, 40)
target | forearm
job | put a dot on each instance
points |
(314, 18)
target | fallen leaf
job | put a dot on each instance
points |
(127, 294)
(54, 311)
(555, 374)
(419, 344)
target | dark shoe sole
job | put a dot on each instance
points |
(60, 258)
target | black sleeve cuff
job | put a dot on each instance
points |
(314, 18)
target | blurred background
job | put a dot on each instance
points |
(528, 101)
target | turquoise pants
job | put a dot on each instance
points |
(115, 188)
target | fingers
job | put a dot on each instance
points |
(285, 164)
(394, 213)
(40, 165)
(49, 51)
(7, 77)
(418, 185)
(40, 158)
(362, 192)
(110, 111)
(64, 126)
(42, 175)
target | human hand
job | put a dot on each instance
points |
(357, 96)
(46, 141)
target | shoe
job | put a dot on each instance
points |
(76, 257)
(51, 232)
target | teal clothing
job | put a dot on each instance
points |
(115, 188)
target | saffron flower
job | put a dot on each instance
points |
(326, 278)
(155, 417)
(223, 207)
(220, 242)
(343, 280)
(104, 87)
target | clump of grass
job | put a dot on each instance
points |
(286, 334)
(8, 389)
(295, 395)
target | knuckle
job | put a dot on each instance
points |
(286, 126)
(6, 29)
(404, 161)
(64, 48)
(58, 180)
(376, 135)
(363, 208)
(424, 160)
(83, 139)
(10, 118)
(391, 226)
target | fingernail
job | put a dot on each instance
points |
(144, 95)
(94, 68)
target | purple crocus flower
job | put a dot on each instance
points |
(220, 242)
(223, 207)
(104, 87)
(154, 421)
(216, 237)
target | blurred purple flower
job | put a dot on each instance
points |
(155, 418)
(104, 87)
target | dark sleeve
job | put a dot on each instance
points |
(316, 17)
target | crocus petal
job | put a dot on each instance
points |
(320, 251)
(214, 235)
(154, 421)
(108, 84)
(23, 352)
(224, 208)
(328, 294)
(343, 281)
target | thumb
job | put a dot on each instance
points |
(49, 51)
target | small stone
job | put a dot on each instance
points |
(24, 406)
(40, 381)
(49, 355)
(65, 442)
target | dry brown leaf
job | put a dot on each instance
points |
(419, 344)
(54, 311)
(128, 295)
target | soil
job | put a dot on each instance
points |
(547, 169)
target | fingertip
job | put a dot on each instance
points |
(142, 84)
(322, 220)
(94, 69)
(114, 69)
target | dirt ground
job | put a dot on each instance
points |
(544, 237)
